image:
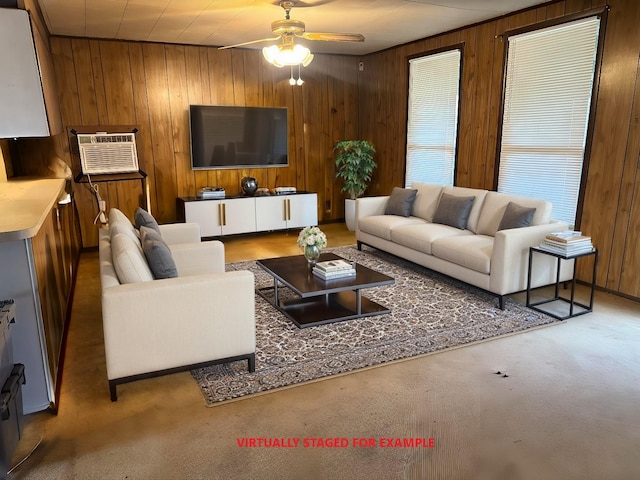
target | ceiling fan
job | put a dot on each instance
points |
(288, 28)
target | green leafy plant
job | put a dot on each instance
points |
(354, 164)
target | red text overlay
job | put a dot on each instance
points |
(336, 442)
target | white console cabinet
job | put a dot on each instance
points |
(222, 217)
(249, 214)
(286, 211)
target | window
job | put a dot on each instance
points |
(547, 103)
(432, 123)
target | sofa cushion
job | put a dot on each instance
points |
(145, 219)
(420, 236)
(426, 202)
(116, 216)
(453, 210)
(125, 228)
(496, 203)
(157, 253)
(381, 225)
(472, 223)
(400, 202)
(128, 260)
(469, 251)
(516, 216)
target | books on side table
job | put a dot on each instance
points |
(333, 269)
(567, 243)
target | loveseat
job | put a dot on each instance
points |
(477, 236)
(167, 303)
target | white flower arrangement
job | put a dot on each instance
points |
(312, 236)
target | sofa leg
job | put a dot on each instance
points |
(112, 391)
(359, 246)
(501, 302)
(252, 362)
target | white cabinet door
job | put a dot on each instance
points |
(207, 214)
(238, 216)
(22, 108)
(271, 213)
(302, 210)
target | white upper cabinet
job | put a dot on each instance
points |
(23, 111)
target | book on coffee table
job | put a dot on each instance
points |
(331, 266)
(334, 274)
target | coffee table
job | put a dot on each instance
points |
(320, 301)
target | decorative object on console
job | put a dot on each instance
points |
(284, 190)
(354, 164)
(249, 185)
(209, 193)
(311, 240)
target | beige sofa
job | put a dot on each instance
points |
(480, 254)
(154, 326)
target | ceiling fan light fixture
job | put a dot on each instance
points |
(281, 55)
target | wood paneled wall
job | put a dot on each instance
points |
(611, 212)
(151, 86)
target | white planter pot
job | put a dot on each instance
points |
(350, 214)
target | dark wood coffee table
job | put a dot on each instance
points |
(319, 301)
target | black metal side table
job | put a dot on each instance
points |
(575, 308)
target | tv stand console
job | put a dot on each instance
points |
(243, 214)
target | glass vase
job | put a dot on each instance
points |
(312, 254)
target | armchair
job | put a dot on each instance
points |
(202, 317)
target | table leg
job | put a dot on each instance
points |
(275, 292)
(358, 301)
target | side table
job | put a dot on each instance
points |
(575, 308)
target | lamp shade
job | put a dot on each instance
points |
(281, 55)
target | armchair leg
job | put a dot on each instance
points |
(251, 360)
(501, 302)
(359, 246)
(112, 391)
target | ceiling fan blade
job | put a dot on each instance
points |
(249, 43)
(333, 37)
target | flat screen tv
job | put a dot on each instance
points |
(238, 137)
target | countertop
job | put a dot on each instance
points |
(25, 204)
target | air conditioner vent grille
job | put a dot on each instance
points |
(108, 153)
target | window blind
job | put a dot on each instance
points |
(432, 122)
(549, 81)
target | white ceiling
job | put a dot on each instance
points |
(384, 23)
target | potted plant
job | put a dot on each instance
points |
(354, 165)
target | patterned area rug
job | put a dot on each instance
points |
(429, 313)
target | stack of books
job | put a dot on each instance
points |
(333, 269)
(567, 243)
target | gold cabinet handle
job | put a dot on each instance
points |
(224, 214)
(288, 209)
(284, 209)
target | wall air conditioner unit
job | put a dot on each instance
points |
(108, 153)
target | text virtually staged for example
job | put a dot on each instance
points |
(336, 442)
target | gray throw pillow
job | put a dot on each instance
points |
(145, 219)
(157, 253)
(516, 216)
(453, 211)
(400, 202)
